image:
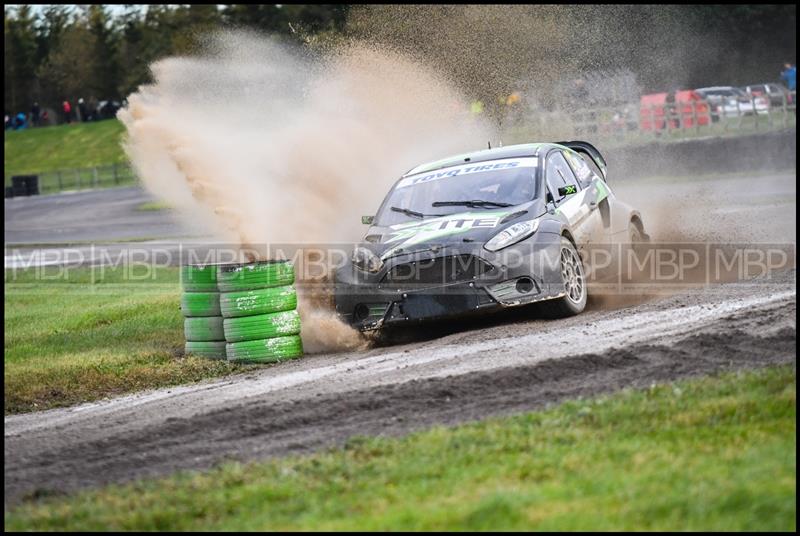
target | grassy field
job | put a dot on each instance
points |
(62, 147)
(711, 454)
(84, 145)
(152, 206)
(77, 340)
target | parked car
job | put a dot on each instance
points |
(776, 94)
(686, 109)
(729, 101)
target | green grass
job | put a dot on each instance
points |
(11, 246)
(711, 454)
(153, 206)
(83, 336)
(63, 147)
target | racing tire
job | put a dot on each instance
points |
(203, 329)
(197, 278)
(258, 301)
(237, 277)
(211, 350)
(265, 350)
(249, 328)
(200, 304)
(573, 277)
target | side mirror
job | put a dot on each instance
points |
(367, 220)
(569, 189)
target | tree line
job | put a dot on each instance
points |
(59, 52)
(56, 52)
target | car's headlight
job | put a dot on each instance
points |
(364, 259)
(512, 235)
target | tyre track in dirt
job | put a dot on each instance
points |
(320, 401)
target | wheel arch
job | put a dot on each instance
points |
(568, 235)
(636, 219)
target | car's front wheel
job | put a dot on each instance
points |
(574, 280)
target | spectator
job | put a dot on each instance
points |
(789, 75)
(9, 123)
(67, 112)
(92, 106)
(36, 113)
(21, 122)
(83, 117)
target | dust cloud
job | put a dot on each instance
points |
(539, 50)
(278, 145)
(270, 143)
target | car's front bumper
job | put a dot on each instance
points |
(523, 273)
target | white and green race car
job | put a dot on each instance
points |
(484, 231)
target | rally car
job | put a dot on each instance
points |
(484, 231)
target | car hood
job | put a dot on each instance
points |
(473, 225)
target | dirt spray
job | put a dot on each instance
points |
(276, 145)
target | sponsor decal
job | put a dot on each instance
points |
(574, 209)
(467, 169)
(410, 233)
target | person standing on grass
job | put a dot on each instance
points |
(67, 112)
(36, 112)
(82, 111)
(789, 75)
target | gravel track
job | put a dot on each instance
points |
(295, 407)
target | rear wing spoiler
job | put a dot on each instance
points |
(589, 150)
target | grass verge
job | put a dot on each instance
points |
(82, 335)
(710, 454)
(79, 145)
(150, 206)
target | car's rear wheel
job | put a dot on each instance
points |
(573, 277)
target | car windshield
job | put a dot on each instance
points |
(469, 187)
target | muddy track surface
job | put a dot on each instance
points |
(511, 366)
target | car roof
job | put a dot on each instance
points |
(510, 151)
(716, 88)
(765, 84)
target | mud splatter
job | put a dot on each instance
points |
(277, 146)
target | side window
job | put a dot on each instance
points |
(585, 169)
(559, 174)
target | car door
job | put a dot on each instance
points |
(575, 202)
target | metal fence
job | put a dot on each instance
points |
(634, 124)
(613, 126)
(82, 178)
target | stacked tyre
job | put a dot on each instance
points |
(259, 304)
(203, 322)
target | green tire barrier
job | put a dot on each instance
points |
(265, 350)
(200, 304)
(203, 328)
(237, 277)
(248, 328)
(258, 301)
(197, 278)
(212, 350)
